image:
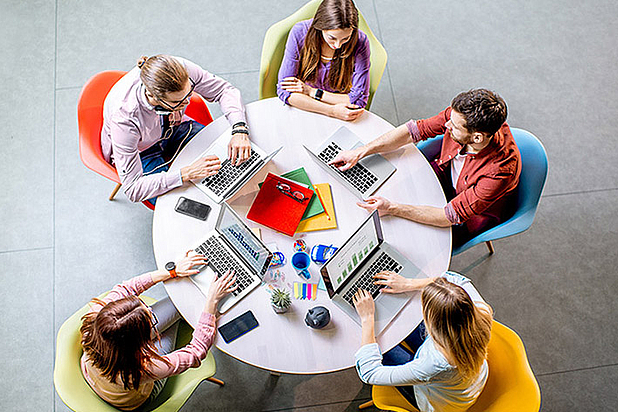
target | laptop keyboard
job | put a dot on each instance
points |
(366, 280)
(359, 176)
(222, 261)
(228, 174)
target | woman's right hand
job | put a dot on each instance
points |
(202, 167)
(218, 289)
(393, 282)
(346, 112)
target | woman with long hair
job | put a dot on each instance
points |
(129, 347)
(449, 368)
(144, 124)
(325, 68)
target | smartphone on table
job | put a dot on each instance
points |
(238, 326)
(192, 208)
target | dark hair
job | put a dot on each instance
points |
(162, 74)
(117, 340)
(331, 15)
(457, 325)
(483, 110)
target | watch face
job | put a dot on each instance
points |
(170, 266)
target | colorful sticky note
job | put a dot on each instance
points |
(314, 291)
(296, 295)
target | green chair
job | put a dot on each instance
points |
(274, 48)
(77, 394)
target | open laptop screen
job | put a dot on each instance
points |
(349, 256)
(243, 239)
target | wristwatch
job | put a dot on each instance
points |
(171, 267)
(318, 94)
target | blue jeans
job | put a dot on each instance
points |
(400, 355)
(173, 139)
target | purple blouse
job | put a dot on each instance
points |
(359, 92)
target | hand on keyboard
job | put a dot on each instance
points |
(393, 282)
(347, 159)
(202, 167)
(382, 205)
(218, 289)
(187, 265)
(364, 305)
(239, 148)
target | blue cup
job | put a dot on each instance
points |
(300, 262)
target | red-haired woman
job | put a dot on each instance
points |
(124, 362)
(325, 68)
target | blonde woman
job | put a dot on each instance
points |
(449, 369)
(325, 68)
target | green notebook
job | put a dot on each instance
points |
(299, 175)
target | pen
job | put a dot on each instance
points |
(317, 192)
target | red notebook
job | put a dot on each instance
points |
(280, 204)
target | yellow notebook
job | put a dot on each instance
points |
(323, 221)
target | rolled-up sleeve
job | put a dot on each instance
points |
(433, 126)
(359, 93)
(136, 186)
(291, 58)
(476, 199)
(215, 89)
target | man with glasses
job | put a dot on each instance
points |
(144, 125)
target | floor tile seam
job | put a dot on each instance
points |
(587, 368)
(34, 249)
(581, 192)
(295, 408)
(53, 291)
(388, 72)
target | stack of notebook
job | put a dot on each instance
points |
(290, 203)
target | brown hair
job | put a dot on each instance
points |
(483, 110)
(117, 340)
(457, 325)
(162, 74)
(331, 15)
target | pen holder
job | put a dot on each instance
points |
(300, 262)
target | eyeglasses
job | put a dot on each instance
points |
(294, 194)
(181, 102)
(155, 320)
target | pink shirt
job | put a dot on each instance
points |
(180, 360)
(131, 126)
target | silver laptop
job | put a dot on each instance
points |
(353, 265)
(230, 179)
(232, 246)
(366, 176)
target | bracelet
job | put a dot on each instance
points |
(241, 131)
(318, 94)
(239, 124)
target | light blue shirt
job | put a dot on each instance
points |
(437, 384)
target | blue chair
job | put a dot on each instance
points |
(531, 183)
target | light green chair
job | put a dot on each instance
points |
(77, 394)
(274, 48)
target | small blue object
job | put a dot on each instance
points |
(321, 253)
(277, 260)
(304, 274)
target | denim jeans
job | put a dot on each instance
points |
(400, 355)
(174, 138)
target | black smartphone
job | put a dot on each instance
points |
(238, 326)
(192, 208)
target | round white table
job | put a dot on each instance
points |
(282, 342)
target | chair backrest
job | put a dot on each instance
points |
(274, 47)
(511, 385)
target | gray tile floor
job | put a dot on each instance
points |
(553, 61)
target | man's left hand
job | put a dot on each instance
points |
(382, 205)
(239, 148)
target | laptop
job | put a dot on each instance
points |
(353, 265)
(365, 177)
(230, 179)
(232, 246)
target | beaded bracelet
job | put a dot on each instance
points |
(241, 131)
(239, 124)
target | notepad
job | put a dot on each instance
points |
(323, 221)
(300, 175)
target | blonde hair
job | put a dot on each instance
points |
(162, 74)
(457, 325)
(331, 15)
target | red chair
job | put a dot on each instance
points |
(90, 123)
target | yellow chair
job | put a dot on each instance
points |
(77, 394)
(511, 385)
(274, 48)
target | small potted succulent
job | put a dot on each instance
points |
(280, 300)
